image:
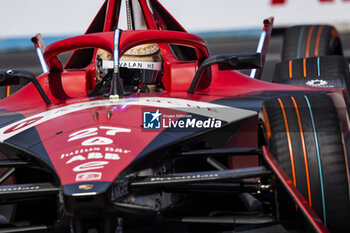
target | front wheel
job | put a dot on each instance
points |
(304, 135)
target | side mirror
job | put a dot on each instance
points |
(14, 77)
(227, 62)
(238, 62)
(9, 78)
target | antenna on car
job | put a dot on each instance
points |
(129, 15)
(263, 46)
(116, 89)
(40, 48)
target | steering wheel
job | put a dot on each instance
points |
(128, 40)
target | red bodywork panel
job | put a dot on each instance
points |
(95, 139)
(61, 123)
(69, 88)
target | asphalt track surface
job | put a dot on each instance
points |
(28, 60)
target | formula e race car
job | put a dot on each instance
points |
(143, 131)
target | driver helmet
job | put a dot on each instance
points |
(140, 67)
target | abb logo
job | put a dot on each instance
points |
(280, 2)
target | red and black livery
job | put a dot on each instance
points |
(264, 156)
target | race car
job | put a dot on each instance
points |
(143, 131)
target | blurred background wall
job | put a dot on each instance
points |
(58, 19)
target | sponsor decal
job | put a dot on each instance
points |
(186, 177)
(88, 176)
(19, 188)
(86, 186)
(157, 120)
(92, 153)
(95, 165)
(119, 190)
(22, 124)
(216, 111)
(92, 158)
(76, 158)
(318, 83)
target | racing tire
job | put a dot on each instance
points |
(310, 41)
(326, 71)
(304, 135)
